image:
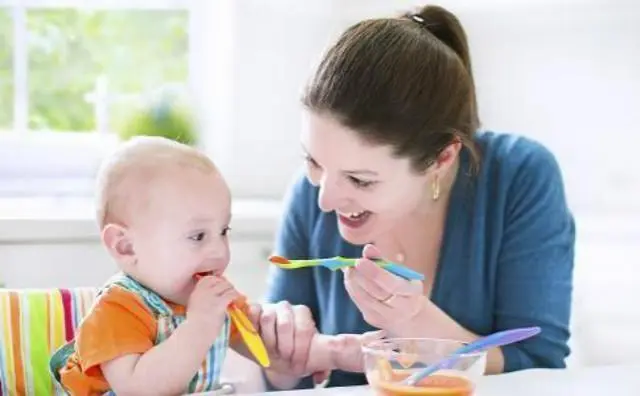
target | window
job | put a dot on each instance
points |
(69, 74)
(85, 64)
(73, 68)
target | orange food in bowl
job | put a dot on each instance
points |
(433, 385)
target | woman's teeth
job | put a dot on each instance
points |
(353, 220)
(355, 215)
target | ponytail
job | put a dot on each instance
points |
(447, 28)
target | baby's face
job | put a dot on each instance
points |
(181, 232)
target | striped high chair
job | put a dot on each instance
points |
(36, 322)
(33, 324)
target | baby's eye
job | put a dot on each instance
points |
(225, 231)
(198, 237)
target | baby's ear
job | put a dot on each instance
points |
(119, 244)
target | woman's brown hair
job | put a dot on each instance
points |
(404, 82)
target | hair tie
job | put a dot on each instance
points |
(417, 18)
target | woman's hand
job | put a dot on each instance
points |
(400, 307)
(287, 331)
(386, 301)
(396, 305)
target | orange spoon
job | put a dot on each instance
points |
(248, 333)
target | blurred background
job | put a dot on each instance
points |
(565, 72)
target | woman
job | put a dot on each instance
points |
(395, 162)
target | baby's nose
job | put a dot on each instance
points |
(216, 259)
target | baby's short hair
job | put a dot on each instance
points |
(140, 158)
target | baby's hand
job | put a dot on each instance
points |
(346, 350)
(208, 303)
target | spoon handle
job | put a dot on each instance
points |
(500, 338)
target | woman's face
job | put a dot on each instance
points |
(370, 190)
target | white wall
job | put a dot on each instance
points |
(565, 72)
(253, 129)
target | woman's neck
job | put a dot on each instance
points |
(416, 240)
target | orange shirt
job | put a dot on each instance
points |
(119, 324)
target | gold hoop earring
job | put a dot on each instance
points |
(435, 188)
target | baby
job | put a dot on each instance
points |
(161, 326)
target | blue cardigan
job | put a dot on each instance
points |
(506, 261)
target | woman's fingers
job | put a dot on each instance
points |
(371, 252)
(285, 329)
(254, 313)
(287, 332)
(381, 282)
(366, 303)
(382, 297)
(268, 329)
(305, 328)
(365, 277)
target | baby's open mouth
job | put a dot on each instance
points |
(201, 274)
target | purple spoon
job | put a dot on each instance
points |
(500, 338)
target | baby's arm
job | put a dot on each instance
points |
(326, 352)
(168, 368)
(341, 352)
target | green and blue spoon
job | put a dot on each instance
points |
(336, 263)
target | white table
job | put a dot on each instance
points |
(595, 381)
